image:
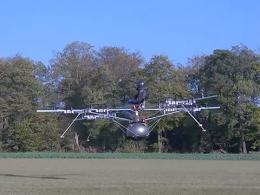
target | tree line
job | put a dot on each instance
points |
(80, 75)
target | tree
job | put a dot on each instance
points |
(20, 93)
(19, 87)
(164, 80)
(120, 67)
(36, 133)
(74, 70)
(233, 75)
(84, 77)
(19, 90)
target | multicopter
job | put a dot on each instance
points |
(132, 120)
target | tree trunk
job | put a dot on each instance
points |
(76, 137)
(242, 143)
(160, 145)
(244, 147)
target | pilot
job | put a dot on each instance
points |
(142, 94)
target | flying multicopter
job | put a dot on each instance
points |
(132, 120)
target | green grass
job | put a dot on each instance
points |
(177, 156)
(133, 190)
(128, 176)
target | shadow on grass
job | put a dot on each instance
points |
(33, 177)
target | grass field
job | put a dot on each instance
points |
(175, 156)
(129, 176)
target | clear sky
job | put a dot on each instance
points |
(179, 29)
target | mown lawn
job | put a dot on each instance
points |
(128, 176)
(177, 156)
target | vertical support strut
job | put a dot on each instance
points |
(62, 136)
(200, 125)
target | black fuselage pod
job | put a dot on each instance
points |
(138, 130)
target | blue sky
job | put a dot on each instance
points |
(179, 29)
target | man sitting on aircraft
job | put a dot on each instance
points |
(142, 94)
